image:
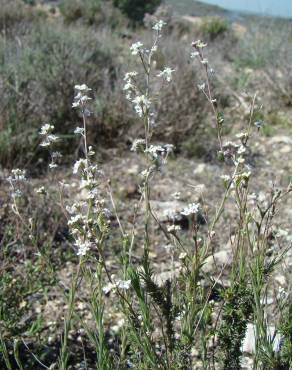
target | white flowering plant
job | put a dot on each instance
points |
(193, 314)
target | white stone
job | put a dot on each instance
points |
(249, 342)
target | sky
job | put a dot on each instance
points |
(271, 7)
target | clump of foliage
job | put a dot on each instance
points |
(48, 61)
(92, 12)
(16, 13)
(213, 27)
(237, 311)
(136, 9)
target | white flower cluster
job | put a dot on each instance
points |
(191, 209)
(136, 48)
(141, 104)
(18, 175)
(79, 131)
(55, 156)
(159, 25)
(120, 284)
(80, 166)
(166, 74)
(159, 150)
(83, 246)
(48, 139)
(41, 190)
(129, 86)
(138, 144)
(199, 44)
(82, 223)
(48, 136)
(81, 98)
(16, 178)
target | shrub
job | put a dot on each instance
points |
(92, 12)
(76, 9)
(14, 12)
(37, 75)
(213, 26)
(135, 9)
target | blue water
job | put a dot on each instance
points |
(280, 8)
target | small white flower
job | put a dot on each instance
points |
(53, 165)
(241, 150)
(130, 75)
(166, 74)
(91, 152)
(155, 150)
(173, 228)
(191, 209)
(201, 87)
(73, 209)
(195, 54)
(140, 104)
(138, 143)
(159, 25)
(79, 131)
(124, 284)
(18, 175)
(136, 48)
(242, 135)
(204, 61)
(109, 287)
(182, 256)
(128, 86)
(41, 190)
(78, 165)
(82, 87)
(225, 178)
(75, 219)
(199, 44)
(83, 247)
(46, 128)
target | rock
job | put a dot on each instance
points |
(162, 277)
(195, 21)
(249, 342)
(281, 279)
(201, 168)
(167, 210)
(220, 259)
(239, 30)
(286, 149)
(133, 170)
(281, 139)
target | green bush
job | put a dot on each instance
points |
(75, 9)
(15, 12)
(135, 9)
(92, 12)
(213, 26)
(38, 75)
